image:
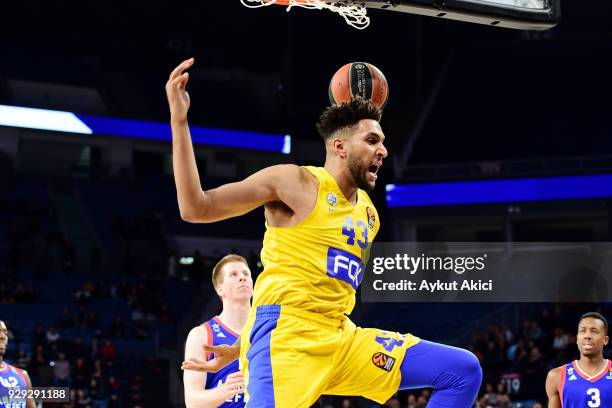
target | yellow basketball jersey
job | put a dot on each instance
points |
(318, 264)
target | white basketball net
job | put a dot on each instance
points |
(354, 15)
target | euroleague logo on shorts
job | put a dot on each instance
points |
(381, 360)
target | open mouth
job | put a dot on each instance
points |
(373, 170)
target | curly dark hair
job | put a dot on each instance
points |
(346, 115)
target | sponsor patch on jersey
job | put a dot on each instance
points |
(215, 327)
(331, 199)
(573, 378)
(381, 360)
(344, 266)
(371, 218)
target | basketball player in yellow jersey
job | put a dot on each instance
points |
(298, 342)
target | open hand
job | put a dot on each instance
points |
(224, 354)
(178, 98)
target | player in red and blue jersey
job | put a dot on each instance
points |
(234, 285)
(587, 382)
(11, 377)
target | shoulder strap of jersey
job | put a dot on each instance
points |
(209, 335)
(19, 372)
(319, 172)
(562, 382)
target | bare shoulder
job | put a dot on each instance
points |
(295, 181)
(552, 379)
(198, 334)
(554, 374)
(25, 375)
(552, 388)
(292, 173)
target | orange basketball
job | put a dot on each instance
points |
(359, 79)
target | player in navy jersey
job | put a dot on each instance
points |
(11, 377)
(587, 382)
(234, 285)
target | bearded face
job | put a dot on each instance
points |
(359, 172)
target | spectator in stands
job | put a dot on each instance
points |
(411, 401)
(489, 399)
(95, 390)
(84, 295)
(97, 369)
(113, 385)
(393, 403)
(23, 359)
(502, 396)
(535, 332)
(67, 319)
(421, 401)
(108, 352)
(83, 398)
(39, 337)
(80, 320)
(39, 365)
(81, 373)
(52, 336)
(95, 348)
(78, 349)
(61, 371)
(560, 341)
(114, 401)
(348, 403)
(140, 325)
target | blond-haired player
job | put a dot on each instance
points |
(232, 281)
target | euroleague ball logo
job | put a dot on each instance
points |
(359, 66)
(383, 361)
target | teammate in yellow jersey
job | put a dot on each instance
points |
(298, 342)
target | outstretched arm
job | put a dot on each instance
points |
(195, 394)
(229, 200)
(552, 388)
(224, 355)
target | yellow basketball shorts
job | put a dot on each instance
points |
(291, 357)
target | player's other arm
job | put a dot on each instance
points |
(552, 388)
(29, 402)
(227, 201)
(193, 381)
(224, 355)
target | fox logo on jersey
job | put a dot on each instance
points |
(344, 266)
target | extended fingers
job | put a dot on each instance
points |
(180, 68)
(211, 349)
(195, 360)
(235, 377)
